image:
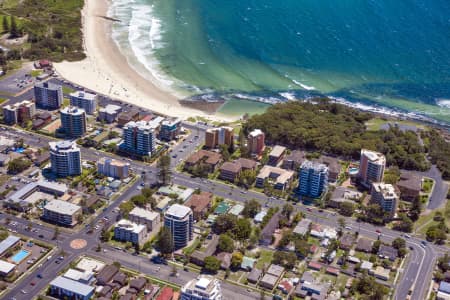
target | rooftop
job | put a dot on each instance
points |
(246, 163)
(199, 202)
(72, 285)
(83, 94)
(277, 151)
(8, 242)
(282, 176)
(130, 226)
(6, 267)
(232, 167)
(373, 156)
(111, 109)
(144, 213)
(314, 165)
(62, 207)
(179, 211)
(256, 132)
(386, 189)
(72, 110)
(63, 146)
(302, 226)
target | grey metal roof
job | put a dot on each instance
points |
(8, 242)
(72, 285)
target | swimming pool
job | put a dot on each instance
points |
(19, 256)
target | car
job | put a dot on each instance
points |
(407, 236)
(411, 248)
(23, 292)
(309, 209)
(378, 231)
(39, 276)
(423, 243)
(33, 283)
(57, 262)
(348, 227)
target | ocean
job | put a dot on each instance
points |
(384, 54)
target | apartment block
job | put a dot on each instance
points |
(170, 129)
(127, 231)
(371, 167)
(179, 219)
(205, 287)
(84, 100)
(48, 95)
(386, 196)
(65, 158)
(113, 168)
(138, 138)
(276, 155)
(313, 178)
(19, 112)
(73, 122)
(256, 142)
(215, 137)
(279, 178)
(146, 217)
(62, 213)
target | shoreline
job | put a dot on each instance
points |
(105, 70)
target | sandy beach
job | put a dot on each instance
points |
(106, 71)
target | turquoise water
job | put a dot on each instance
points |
(393, 54)
(19, 256)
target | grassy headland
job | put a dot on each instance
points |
(336, 129)
(52, 27)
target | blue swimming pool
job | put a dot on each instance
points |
(19, 256)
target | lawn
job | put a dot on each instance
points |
(376, 123)
(427, 185)
(264, 259)
(428, 220)
(67, 90)
(2, 100)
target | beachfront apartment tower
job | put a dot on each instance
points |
(65, 158)
(48, 95)
(371, 167)
(386, 196)
(204, 287)
(138, 138)
(73, 122)
(19, 112)
(215, 137)
(179, 219)
(313, 179)
(84, 100)
(170, 129)
(256, 142)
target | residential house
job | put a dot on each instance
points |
(254, 275)
(346, 241)
(208, 158)
(388, 252)
(200, 204)
(364, 245)
(268, 230)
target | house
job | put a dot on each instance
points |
(409, 185)
(302, 227)
(107, 274)
(268, 230)
(343, 194)
(120, 279)
(388, 252)
(236, 209)
(6, 268)
(275, 270)
(127, 116)
(254, 275)
(381, 273)
(307, 276)
(444, 290)
(225, 260)
(165, 294)
(315, 265)
(268, 281)
(332, 271)
(137, 285)
(210, 159)
(346, 241)
(364, 245)
(259, 216)
(366, 265)
(200, 204)
(286, 286)
(248, 263)
(294, 160)
(198, 257)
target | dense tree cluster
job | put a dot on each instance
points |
(439, 151)
(335, 129)
(53, 28)
(367, 286)
(18, 165)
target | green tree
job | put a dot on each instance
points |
(226, 243)
(285, 258)
(376, 246)
(14, 31)
(224, 151)
(164, 172)
(399, 243)
(302, 248)
(285, 239)
(5, 24)
(236, 260)
(287, 210)
(225, 223)
(243, 229)
(405, 224)
(105, 235)
(18, 165)
(165, 241)
(251, 208)
(346, 208)
(212, 264)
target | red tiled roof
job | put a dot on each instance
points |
(166, 294)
